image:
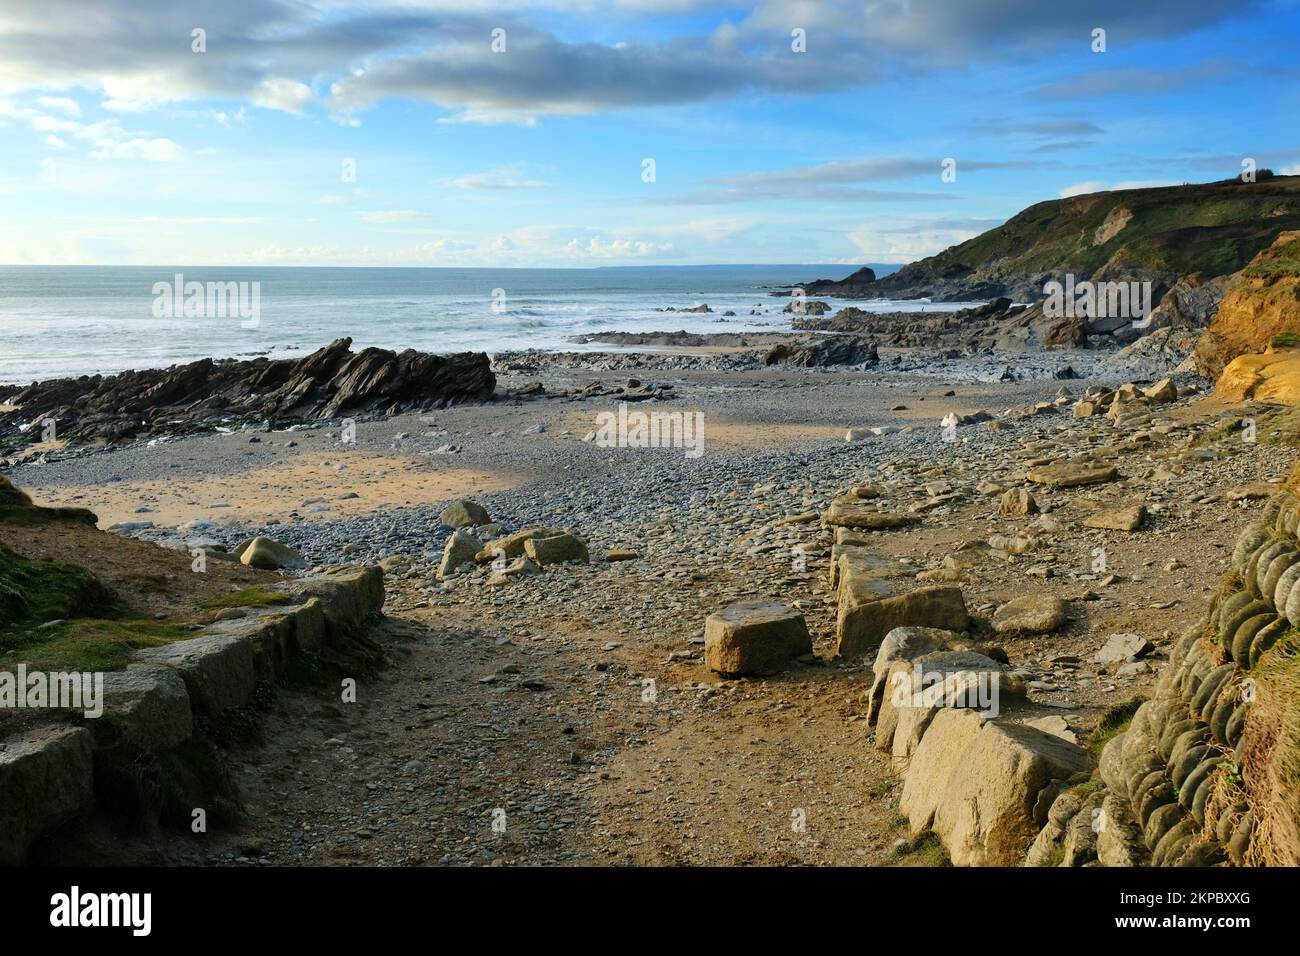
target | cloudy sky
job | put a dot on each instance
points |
(474, 133)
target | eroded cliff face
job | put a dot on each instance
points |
(1261, 310)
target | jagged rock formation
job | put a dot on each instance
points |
(1204, 773)
(330, 382)
(820, 352)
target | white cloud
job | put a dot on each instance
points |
(59, 104)
(332, 200)
(503, 177)
(153, 150)
(598, 248)
(394, 215)
(279, 93)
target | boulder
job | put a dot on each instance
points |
(460, 549)
(564, 548)
(1030, 614)
(517, 568)
(464, 513)
(867, 612)
(270, 555)
(756, 636)
(1162, 391)
(512, 545)
(1017, 502)
(975, 783)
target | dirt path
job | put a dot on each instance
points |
(590, 763)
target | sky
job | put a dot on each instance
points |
(576, 133)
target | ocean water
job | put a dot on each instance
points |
(72, 320)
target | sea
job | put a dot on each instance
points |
(58, 321)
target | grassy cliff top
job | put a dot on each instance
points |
(1213, 228)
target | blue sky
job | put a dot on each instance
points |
(122, 145)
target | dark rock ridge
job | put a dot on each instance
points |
(822, 351)
(781, 348)
(328, 383)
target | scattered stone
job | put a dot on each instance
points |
(1123, 647)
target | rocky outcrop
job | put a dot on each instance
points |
(823, 351)
(1272, 377)
(1262, 305)
(329, 383)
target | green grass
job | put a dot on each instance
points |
(249, 597)
(1113, 722)
(40, 591)
(84, 644)
(94, 634)
(925, 849)
(1283, 260)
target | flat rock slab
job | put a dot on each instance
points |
(757, 636)
(1067, 475)
(1123, 647)
(1031, 614)
(849, 514)
(147, 707)
(1117, 519)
